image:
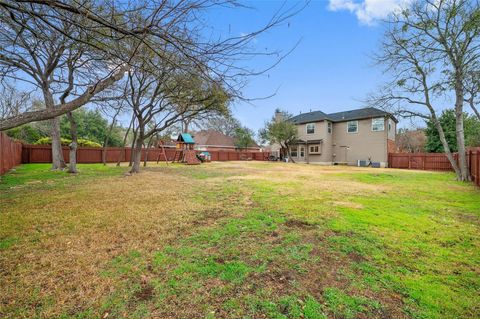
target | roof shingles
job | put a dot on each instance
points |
(358, 114)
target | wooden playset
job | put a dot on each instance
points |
(184, 152)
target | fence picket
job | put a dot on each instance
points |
(10, 153)
(435, 162)
(42, 154)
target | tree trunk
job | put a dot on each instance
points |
(72, 167)
(58, 161)
(146, 152)
(137, 155)
(464, 174)
(186, 124)
(105, 142)
(290, 158)
(124, 143)
(446, 147)
(132, 149)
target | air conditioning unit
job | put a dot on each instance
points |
(362, 163)
(376, 164)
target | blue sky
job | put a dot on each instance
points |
(330, 70)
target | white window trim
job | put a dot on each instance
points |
(306, 128)
(291, 149)
(319, 149)
(329, 126)
(383, 121)
(355, 131)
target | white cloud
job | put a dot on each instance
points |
(368, 11)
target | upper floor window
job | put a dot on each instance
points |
(329, 127)
(310, 128)
(352, 127)
(378, 124)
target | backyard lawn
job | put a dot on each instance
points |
(238, 240)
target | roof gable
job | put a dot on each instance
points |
(186, 138)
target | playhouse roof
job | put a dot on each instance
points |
(185, 138)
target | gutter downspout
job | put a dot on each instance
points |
(307, 153)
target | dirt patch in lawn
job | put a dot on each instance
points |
(296, 223)
(348, 204)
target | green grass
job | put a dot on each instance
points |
(40, 175)
(273, 241)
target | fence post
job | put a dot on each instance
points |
(1, 154)
(409, 161)
(469, 154)
(477, 175)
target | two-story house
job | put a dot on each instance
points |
(366, 134)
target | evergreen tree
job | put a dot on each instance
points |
(244, 137)
(448, 120)
(91, 125)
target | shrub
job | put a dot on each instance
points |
(88, 143)
(66, 142)
(25, 133)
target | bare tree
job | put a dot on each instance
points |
(12, 101)
(160, 98)
(411, 140)
(221, 122)
(472, 88)
(111, 107)
(124, 142)
(428, 48)
(117, 30)
(44, 57)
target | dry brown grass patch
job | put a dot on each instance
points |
(67, 241)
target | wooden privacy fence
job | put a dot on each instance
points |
(10, 153)
(435, 162)
(43, 154)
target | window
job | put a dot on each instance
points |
(294, 151)
(314, 149)
(352, 127)
(310, 128)
(329, 127)
(378, 124)
(302, 151)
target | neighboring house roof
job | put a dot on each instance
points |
(186, 138)
(215, 138)
(358, 114)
